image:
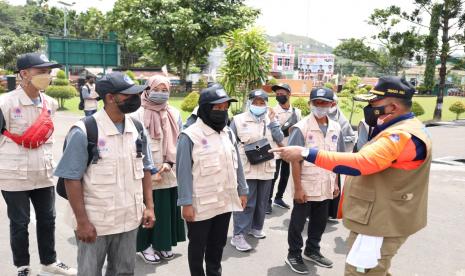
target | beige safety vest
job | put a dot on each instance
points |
(112, 188)
(214, 171)
(250, 131)
(168, 178)
(317, 183)
(283, 115)
(24, 169)
(391, 203)
(91, 104)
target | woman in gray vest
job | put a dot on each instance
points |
(211, 181)
(256, 125)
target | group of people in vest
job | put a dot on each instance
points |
(146, 176)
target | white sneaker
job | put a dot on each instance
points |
(149, 256)
(57, 268)
(24, 271)
(258, 234)
(239, 242)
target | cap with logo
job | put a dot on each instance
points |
(322, 93)
(284, 86)
(117, 82)
(34, 60)
(215, 94)
(258, 93)
(389, 86)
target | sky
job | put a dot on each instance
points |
(327, 21)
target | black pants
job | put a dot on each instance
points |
(18, 209)
(318, 211)
(282, 167)
(207, 238)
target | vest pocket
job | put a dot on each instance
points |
(361, 205)
(139, 204)
(209, 164)
(245, 163)
(95, 209)
(209, 201)
(13, 166)
(138, 167)
(270, 166)
(103, 173)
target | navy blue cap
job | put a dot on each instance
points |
(117, 82)
(258, 93)
(215, 94)
(284, 86)
(34, 60)
(389, 86)
(322, 93)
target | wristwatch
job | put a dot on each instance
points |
(304, 153)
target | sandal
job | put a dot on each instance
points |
(166, 255)
(149, 256)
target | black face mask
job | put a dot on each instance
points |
(130, 105)
(218, 119)
(372, 113)
(282, 99)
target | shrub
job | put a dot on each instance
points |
(302, 104)
(272, 81)
(417, 109)
(61, 90)
(190, 101)
(2, 89)
(457, 108)
(60, 82)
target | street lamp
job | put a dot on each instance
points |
(65, 4)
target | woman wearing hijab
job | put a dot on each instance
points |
(211, 181)
(163, 123)
(257, 123)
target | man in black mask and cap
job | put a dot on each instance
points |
(211, 181)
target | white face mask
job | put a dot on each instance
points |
(320, 112)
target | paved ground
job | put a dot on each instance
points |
(439, 249)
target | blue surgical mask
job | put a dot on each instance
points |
(158, 97)
(257, 110)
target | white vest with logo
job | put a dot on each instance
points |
(23, 169)
(91, 104)
(168, 178)
(317, 183)
(250, 131)
(112, 188)
(214, 171)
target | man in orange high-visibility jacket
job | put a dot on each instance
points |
(386, 192)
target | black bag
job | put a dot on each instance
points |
(290, 122)
(92, 149)
(257, 152)
(81, 99)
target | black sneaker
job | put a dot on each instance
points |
(318, 259)
(24, 271)
(268, 209)
(296, 264)
(279, 202)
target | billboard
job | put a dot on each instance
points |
(318, 68)
(84, 52)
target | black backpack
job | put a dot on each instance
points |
(92, 149)
(81, 99)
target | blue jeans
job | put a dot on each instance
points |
(18, 209)
(89, 112)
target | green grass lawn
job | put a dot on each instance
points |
(428, 104)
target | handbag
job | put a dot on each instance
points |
(257, 152)
(290, 122)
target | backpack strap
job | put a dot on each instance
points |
(140, 138)
(92, 136)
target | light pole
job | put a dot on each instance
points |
(65, 32)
